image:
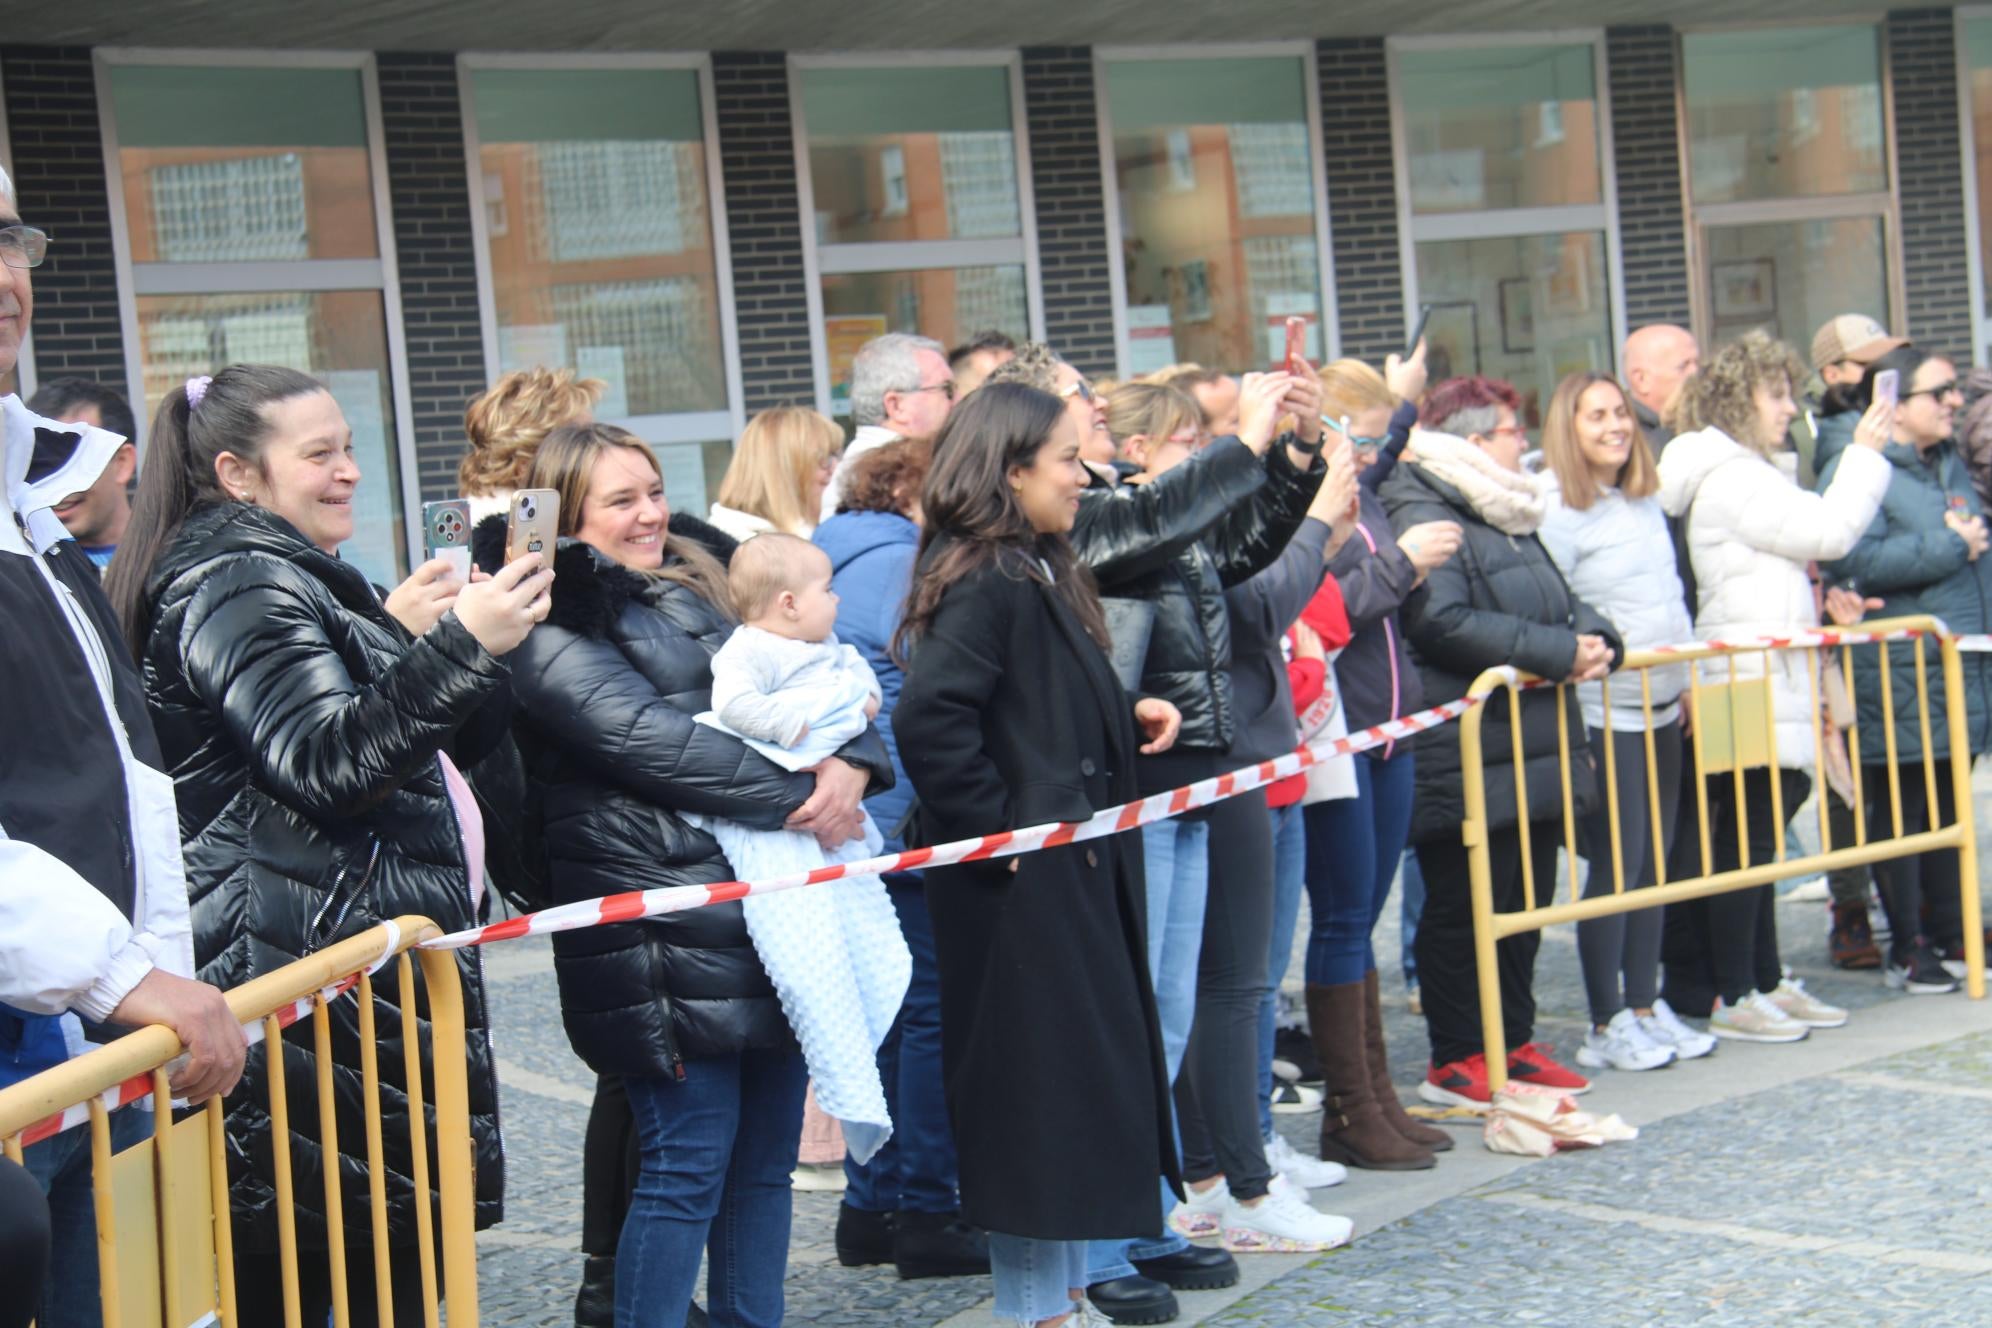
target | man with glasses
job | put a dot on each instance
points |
(901, 387)
(93, 899)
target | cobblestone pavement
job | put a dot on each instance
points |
(1856, 1194)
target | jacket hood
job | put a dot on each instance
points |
(227, 529)
(849, 536)
(1689, 460)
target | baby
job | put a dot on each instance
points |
(782, 681)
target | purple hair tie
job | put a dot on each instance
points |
(197, 390)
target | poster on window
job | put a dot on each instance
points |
(376, 545)
(606, 363)
(844, 335)
(1151, 341)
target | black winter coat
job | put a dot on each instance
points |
(607, 688)
(302, 727)
(1180, 541)
(1051, 1049)
(1499, 600)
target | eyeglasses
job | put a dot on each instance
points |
(945, 388)
(23, 246)
(1081, 389)
(1940, 390)
(1356, 441)
(1514, 429)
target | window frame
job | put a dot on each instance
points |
(24, 368)
(667, 429)
(382, 273)
(1601, 217)
(821, 260)
(1331, 322)
(1981, 306)
(1884, 205)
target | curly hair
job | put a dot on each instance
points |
(1036, 365)
(1466, 406)
(888, 478)
(507, 424)
(1723, 395)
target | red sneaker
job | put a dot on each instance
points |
(1461, 1083)
(1532, 1064)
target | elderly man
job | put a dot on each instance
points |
(901, 387)
(93, 900)
(1658, 359)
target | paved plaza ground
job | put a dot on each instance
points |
(1842, 1180)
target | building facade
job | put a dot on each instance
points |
(712, 233)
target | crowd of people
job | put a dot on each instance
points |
(1012, 596)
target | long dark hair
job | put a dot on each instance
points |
(972, 519)
(1857, 397)
(177, 478)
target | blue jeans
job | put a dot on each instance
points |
(1353, 845)
(1289, 879)
(718, 1149)
(1178, 871)
(61, 1166)
(1035, 1279)
(916, 1170)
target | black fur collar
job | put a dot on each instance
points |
(590, 590)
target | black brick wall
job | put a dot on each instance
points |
(1922, 57)
(428, 186)
(1062, 119)
(1652, 221)
(59, 175)
(764, 226)
(1362, 195)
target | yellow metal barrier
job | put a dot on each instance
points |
(165, 1243)
(1730, 750)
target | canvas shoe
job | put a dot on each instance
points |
(1666, 1028)
(1282, 1223)
(1755, 1019)
(1623, 1045)
(1310, 1173)
(1792, 997)
(1919, 973)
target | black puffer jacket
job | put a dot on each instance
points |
(608, 687)
(1180, 541)
(1499, 600)
(302, 727)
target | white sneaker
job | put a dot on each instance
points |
(821, 1177)
(1200, 1215)
(1665, 1027)
(1085, 1314)
(1755, 1019)
(1624, 1045)
(1282, 1224)
(1310, 1173)
(1811, 890)
(1801, 1005)
(1293, 1099)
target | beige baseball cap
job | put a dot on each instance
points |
(1852, 337)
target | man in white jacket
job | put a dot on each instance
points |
(93, 900)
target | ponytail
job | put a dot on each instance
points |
(177, 477)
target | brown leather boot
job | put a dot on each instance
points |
(1353, 1129)
(1426, 1136)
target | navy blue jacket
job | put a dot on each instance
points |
(871, 567)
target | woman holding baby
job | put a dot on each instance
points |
(679, 1006)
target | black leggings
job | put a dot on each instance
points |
(1621, 951)
(1920, 893)
(1217, 1093)
(23, 1244)
(1447, 972)
(1727, 945)
(609, 1160)
(259, 1286)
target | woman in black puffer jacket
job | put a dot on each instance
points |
(679, 1006)
(311, 730)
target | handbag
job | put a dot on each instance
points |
(1130, 626)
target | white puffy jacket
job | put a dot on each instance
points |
(1751, 532)
(1618, 558)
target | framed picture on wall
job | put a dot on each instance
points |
(1743, 290)
(1518, 315)
(1452, 340)
(1194, 279)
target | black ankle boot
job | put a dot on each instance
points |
(595, 1303)
(938, 1245)
(863, 1237)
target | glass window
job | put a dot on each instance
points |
(1214, 170)
(947, 304)
(1784, 112)
(599, 225)
(1978, 60)
(1500, 127)
(1527, 308)
(1792, 276)
(267, 172)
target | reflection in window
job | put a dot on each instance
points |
(1785, 112)
(1791, 276)
(615, 200)
(947, 304)
(1500, 127)
(244, 208)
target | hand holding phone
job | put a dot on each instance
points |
(532, 524)
(1296, 345)
(1418, 332)
(1888, 386)
(446, 535)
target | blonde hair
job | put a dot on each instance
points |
(1350, 387)
(1723, 395)
(775, 463)
(565, 462)
(764, 567)
(506, 425)
(1034, 365)
(1150, 410)
(1639, 477)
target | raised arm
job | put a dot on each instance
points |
(1122, 534)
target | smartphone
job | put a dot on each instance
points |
(532, 524)
(1296, 345)
(1418, 332)
(1888, 386)
(446, 534)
